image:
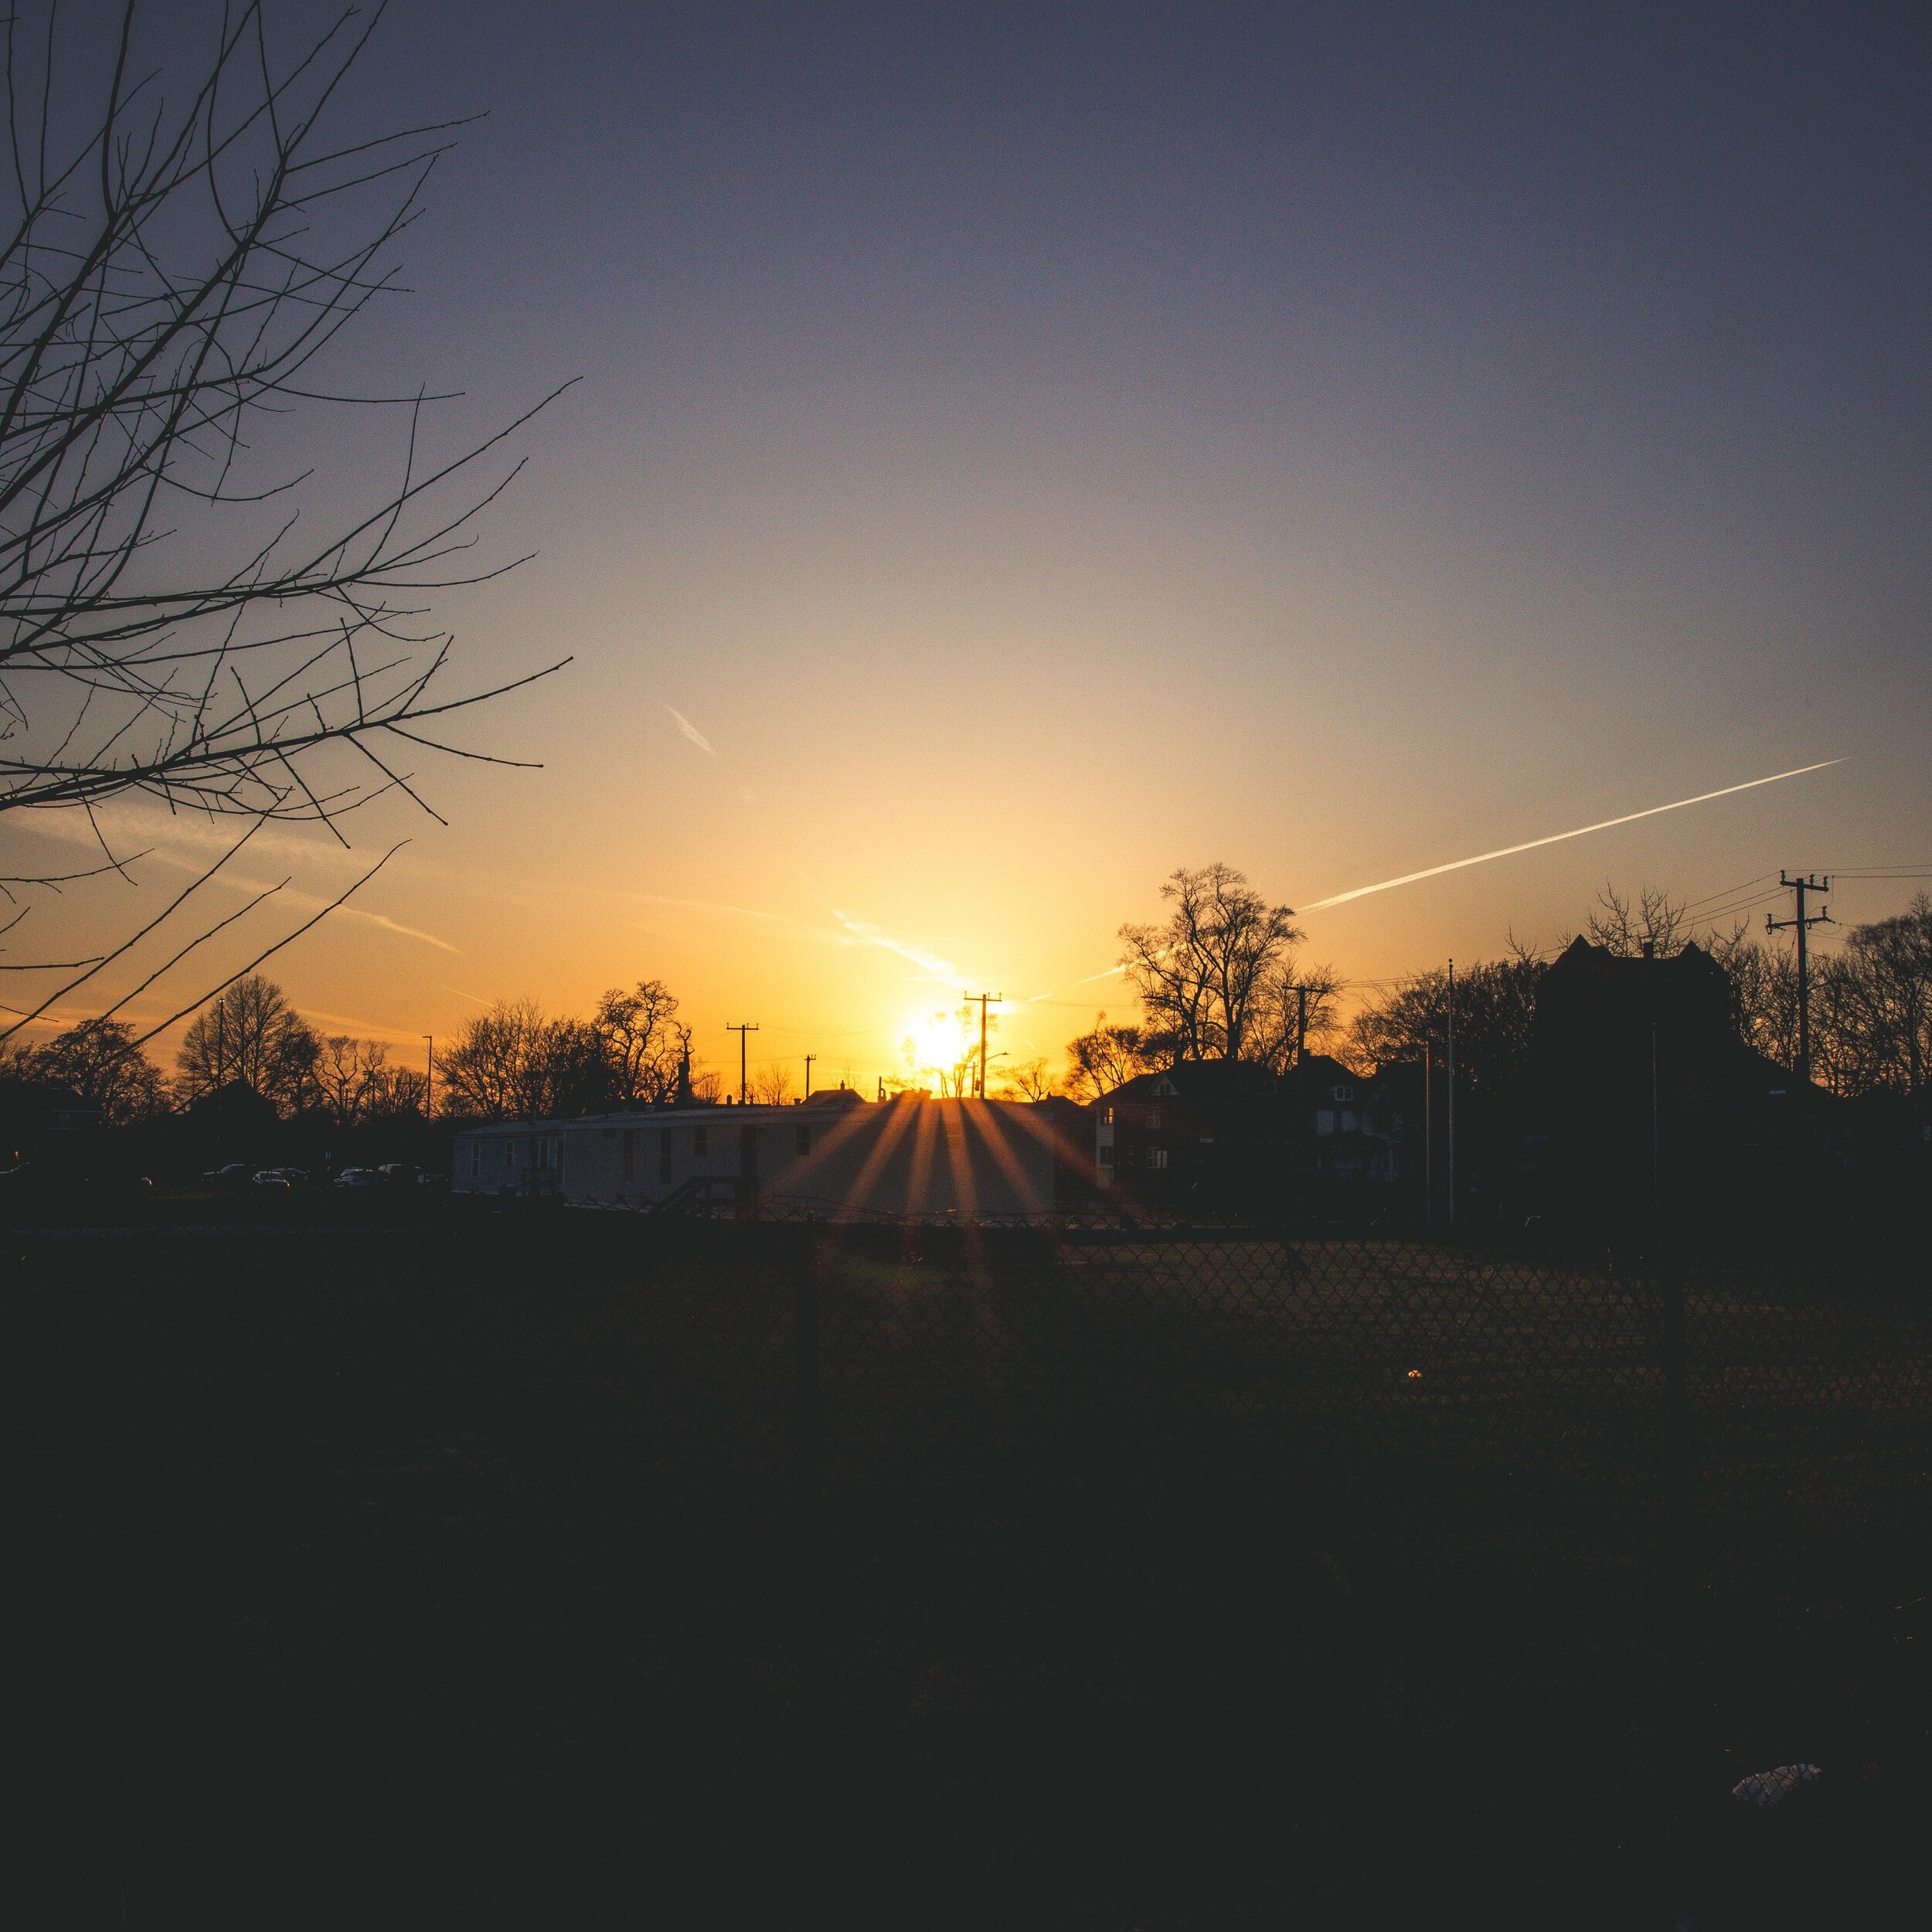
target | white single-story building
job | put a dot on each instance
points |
(834, 1154)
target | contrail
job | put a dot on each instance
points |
(1557, 837)
(692, 732)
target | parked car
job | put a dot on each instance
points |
(397, 1173)
(235, 1174)
(361, 1177)
(282, 1177)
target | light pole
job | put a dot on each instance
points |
(1452, 1093)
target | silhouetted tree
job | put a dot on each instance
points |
(513, 1062)
(395, 1093)
(174, 260)
(1495, 1004)
(250, 1036)
(1204, 971)
(1655, 920)
(1108, 1056)
(1276, 1018)
(350, 1077)
(98, 1061)
(643, 1041)
(1027, 1080)
(1764, 980)
(771, 1085)
(1872, 1001)
(488, 1070)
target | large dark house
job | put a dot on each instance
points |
(1205, 1133)
(1648, 1106)
(1227, 1135)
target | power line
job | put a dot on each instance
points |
(1692, 905)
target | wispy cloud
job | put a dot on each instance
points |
(395, 926)
(692, 732)
(872, 935)
(365, 1029)
(708, 906)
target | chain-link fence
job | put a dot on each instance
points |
(1696, 1385)
(1197, 1564)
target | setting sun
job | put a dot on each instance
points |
(941, 1049)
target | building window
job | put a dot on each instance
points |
(1324, 1120)
(630, 1154)
(1105, 1156)
(663, 1156)
(802, 1135)
(1153, 1117)
(1345, 1093)
(1108, 1117)
(701, 1142)
(476, 1158)
(1347, 1121)
(1157, 1157)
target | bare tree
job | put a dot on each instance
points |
(644, 1043)
(1656, 924)
(1276, 1028)
(250, 1036)
(486, 1068)
(771, 1085)
(1109, 1056)
(1027, 1080)
(1495, 1008)
(98, 1061)
(395, 1092)
(174, 265)
(1764, 982)
(1871, 1019)
(1200, 972)
(350, 1074)
(514, 1062)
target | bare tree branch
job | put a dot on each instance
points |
(175, 265)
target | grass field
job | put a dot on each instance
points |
(473, 1567)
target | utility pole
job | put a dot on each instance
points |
(1452, 1093)
(741, 1032)
(982, 998)
(429, 1087)
(1804, 923)
(809, 1059)
(1428, 1132)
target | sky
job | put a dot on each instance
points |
(1015, 452)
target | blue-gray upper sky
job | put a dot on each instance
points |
(1036, 447)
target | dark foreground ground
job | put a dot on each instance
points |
(494, 1568)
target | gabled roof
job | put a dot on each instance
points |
(1200, 1081)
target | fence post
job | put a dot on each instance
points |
(806, 1397)
(1677, 1430)
(1681, 1646)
